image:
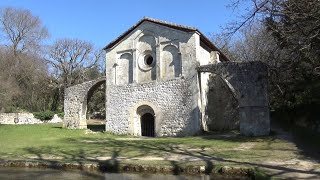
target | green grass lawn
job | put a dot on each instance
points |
(50, 141)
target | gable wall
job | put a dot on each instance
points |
(170, 86)
(173, 51)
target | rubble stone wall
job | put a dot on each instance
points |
(18, 118)
(174, 103)
(75, 103)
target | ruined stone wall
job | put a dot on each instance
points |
(248, 82)
(203, 55)
(18, 118)
(222, 108)
(75, 103)
(174, 103)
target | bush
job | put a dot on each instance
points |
(45, 115)
(13, 109)
(60, 115)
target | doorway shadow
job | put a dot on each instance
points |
(96, 127)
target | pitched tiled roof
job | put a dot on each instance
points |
(203, 38)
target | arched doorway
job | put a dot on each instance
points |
(145, 122)
(95, 110)
(147, 125)
(76, 101)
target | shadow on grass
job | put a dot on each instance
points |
(57, 127)
(96, 127)
(301, 123)
(90, 150)
(92, 127)
(236, 137)
(306, 140)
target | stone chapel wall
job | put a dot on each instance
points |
(168, 84)
(174, 103)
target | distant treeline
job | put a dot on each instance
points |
(33, 75)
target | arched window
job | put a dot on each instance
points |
(171, 62)
(125, 69)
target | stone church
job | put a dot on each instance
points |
(165, 79)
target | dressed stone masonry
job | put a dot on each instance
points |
(158, 79)
(248, 82)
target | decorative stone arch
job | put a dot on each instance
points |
(146, 45)
(170, 44)
(145, 33)
(125, 67)
(140, 109)
(140, 39)
(174, 68)
(249, 82)
(75, 103)
(220, 105)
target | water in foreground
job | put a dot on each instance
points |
(53, 174)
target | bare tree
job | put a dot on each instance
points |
(22, 30)
(294, 23)
(8, 86)
(72, 58)
(23, 72)
(287, 39)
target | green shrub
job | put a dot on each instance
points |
(13, 109)
(45, 115)
(60, 115)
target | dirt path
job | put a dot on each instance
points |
(297, 168)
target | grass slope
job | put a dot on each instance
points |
(43, 141)
(51, 143)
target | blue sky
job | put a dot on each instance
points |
(101, 21)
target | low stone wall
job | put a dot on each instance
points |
(18, 118)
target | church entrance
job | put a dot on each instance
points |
(147, 125)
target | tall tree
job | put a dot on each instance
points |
(8, 86)
(294, 24)
(22, 30)
(71, 60)
(22, 62)
(292, 27)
